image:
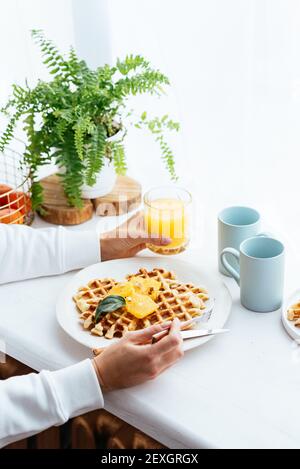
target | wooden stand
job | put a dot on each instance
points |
(125, 197)
(56, 208)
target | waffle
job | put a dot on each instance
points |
(87, 298)
(293, 314)
(174, 300)
(161, 275)
(173, 295)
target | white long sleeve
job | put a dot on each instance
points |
(27, 253)
(30, 404)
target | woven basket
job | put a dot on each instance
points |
(15, 203)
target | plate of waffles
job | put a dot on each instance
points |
(153, 290)
(291, 315)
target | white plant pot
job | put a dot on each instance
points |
(105, 180)
(105, 183)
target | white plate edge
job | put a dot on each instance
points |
(288, 325)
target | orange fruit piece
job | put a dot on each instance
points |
(140, 305)
(19, 201)
(16, 200)
(146, 286)
(10, 216)
(122, 289)
(4, 189)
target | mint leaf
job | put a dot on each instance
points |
(108, 305)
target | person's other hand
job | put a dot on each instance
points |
(128, 239)
(134, 360)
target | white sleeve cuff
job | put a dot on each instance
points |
(76, 389)
(81, 249)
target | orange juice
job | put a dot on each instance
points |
(167, 217)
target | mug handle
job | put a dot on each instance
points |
(265, 234)
(226, 264)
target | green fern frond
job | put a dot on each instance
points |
(8, 133)
(19, 93)
(104, 74)
(95, 154)
(119, 159)
(36, 195)
(79, 140)
(131, 63)
(52, 57)
(65, 114)
(80, 129)
(168, 157)
(156, 126)
(73, 62)
(61, 128)
(29, 124)
(147, 82)
(75, 69)
(72, 177)
(11, 103)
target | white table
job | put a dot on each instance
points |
(237, 391)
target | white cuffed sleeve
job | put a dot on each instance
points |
(30, 404)
(27, 253)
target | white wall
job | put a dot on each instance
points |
(235, 71)
(19, 57)
(92, 31)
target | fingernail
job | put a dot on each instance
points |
(165, 241)
(166, 325)
(160, 241)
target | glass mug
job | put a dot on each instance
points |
(167, 214)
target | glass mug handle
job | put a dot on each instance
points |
(265, 234)
(229, 267)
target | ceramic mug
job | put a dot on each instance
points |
(261, 272)
(235, 224)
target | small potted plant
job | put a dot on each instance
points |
(77, 119)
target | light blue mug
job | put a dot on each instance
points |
(261, 272)
(235, 224)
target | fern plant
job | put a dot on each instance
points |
(71, 117)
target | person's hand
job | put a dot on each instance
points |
(134, 360)
(128, 239)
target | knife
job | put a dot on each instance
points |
(201, 333)
(190, 334)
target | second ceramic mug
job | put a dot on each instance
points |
(235, 224)
(261, 272)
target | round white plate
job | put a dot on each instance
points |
(293, 331)
(68, 317)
